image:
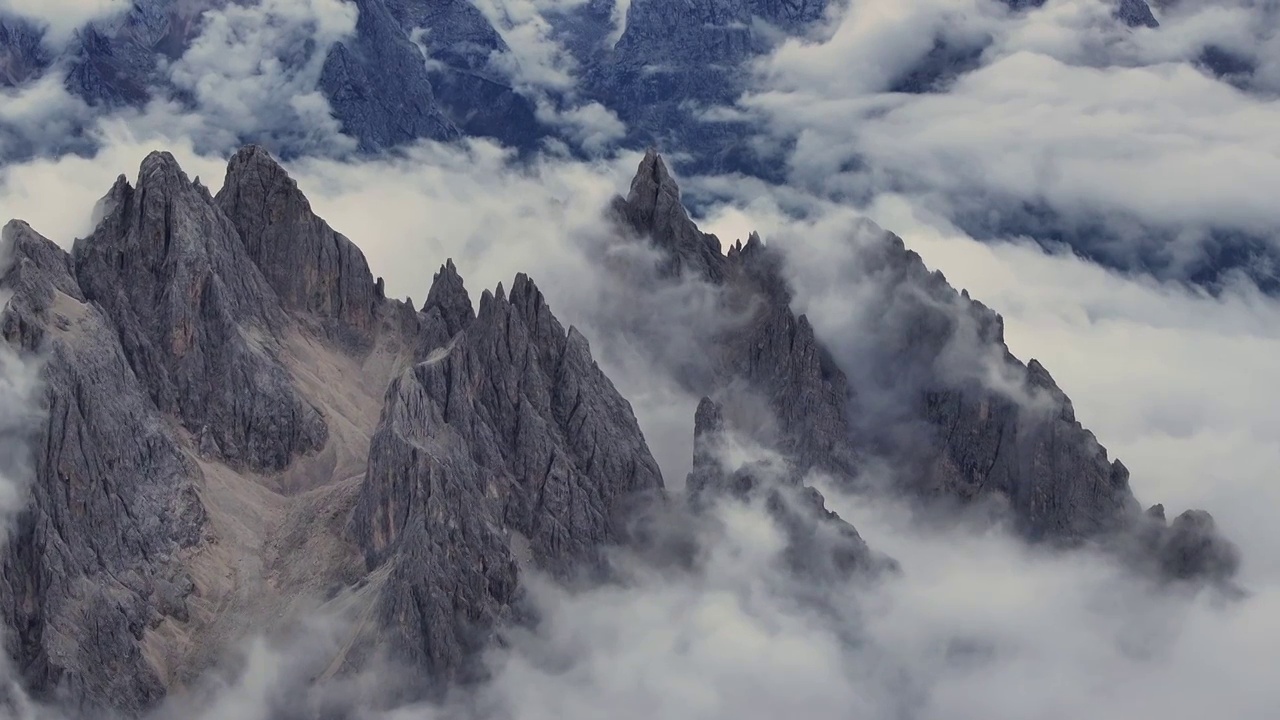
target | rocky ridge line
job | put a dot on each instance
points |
(954, 438)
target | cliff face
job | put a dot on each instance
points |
(504, 447)
(95, 560)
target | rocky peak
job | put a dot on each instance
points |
(447, 311)
(653, 209)
(198, 321)
(314, 270)
(506, 447)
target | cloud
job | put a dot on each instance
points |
(1067, 124)
(253, 72)
(1166, 376)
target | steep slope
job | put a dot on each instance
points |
(114, 508)
(929, 387)
(315, 271)
(378, 86)
(199, 324)
(465, 54)
(512, 420)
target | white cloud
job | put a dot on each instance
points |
(253, 71)
(1068, 109)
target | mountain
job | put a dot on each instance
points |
(415, 69)
(238, 430)
(957, 436)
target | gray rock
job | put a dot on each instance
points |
(378, 86)
(447, 311)
(1134, 13)
(93, 560)
(196, 318)
(472, 89)
(506, 448)
(1191, 547)
(22, 55)
(762, 342)
(315, 271)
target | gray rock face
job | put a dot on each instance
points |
(315, 271)
(94, 560)
(765, 344)
(675, 60)
(506, 447)
(461, 46)
(960, 436)
(919, 399)
(1134, 13)
(1190, 547)
(378, 86)
(196, 318)
(174, 340)
(21, 54)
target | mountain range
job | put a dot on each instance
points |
(238, 429)
(412, 69)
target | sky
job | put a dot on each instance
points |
(1099, 123)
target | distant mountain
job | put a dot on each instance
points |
(238, 427)
(430, 69)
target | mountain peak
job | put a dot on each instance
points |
(448, 308)
(314, 270)
(653, 209)
(160, 163)
(169, 269)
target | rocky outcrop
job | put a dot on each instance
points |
(505, 447)
(93, 561)
(930, 388)
(315, 271)
(762, 342)
(1134, 13)
(465, 57)
(198, 322)
(378, 87)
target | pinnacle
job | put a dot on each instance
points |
(253, 156)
